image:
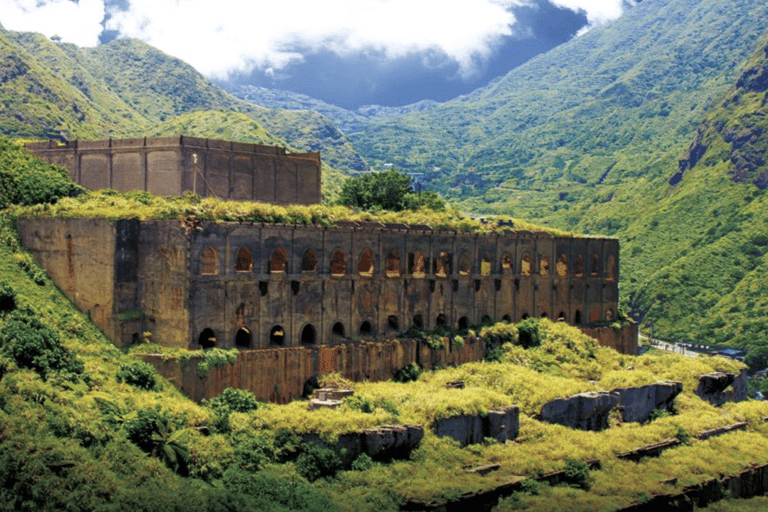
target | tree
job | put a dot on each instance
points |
(387, 190)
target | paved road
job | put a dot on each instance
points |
(672, 347)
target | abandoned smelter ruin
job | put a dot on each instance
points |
(298, 300)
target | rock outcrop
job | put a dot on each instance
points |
(501, 425)
(585, 411)
(719, 387)
(638, 403)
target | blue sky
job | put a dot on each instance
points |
(346, 52)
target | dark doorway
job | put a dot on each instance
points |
(366, 329)
(277, 335)
(243, 338)
(308, 335)
(207, 339)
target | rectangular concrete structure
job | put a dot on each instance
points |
(174, 165)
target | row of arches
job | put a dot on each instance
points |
(418, 264)
(338, 332)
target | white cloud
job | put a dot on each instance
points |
(225, 36)
(78, 23)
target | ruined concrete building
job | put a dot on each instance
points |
(281, 287)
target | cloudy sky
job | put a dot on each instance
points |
(346, 52)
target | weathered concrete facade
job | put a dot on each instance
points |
(259, 286)
(174, 165)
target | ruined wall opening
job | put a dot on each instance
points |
(561, 267)
(244, 260)
(506, 264)
(366, 328)
(525, 316)
(277, 336)
(207, 338)
(561, 317)
(595, 269)
(263, 288)
(308, 335)
(393, 324)
(577, 317)
(463, 323)
(393, 264)
(609, 314)
(486, 320)
(243, 338)
(278, 262)
(525, 265)
(209, 261)
(486, 265)
(417, 265)
(337, 331)
(610, 268)
(365, 266)
(544, 265)
(506, 319)
(309, 261)
(544, 315)
(443, 264)
(465, 264)
(418, 321)
(578, 267)
(338, 264)
(441, 320)
(594, 315)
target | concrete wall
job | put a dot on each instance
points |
(174, 165)
(624, 340)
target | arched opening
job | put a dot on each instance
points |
(465, 264)
(308, 335)
(209, 261)
(544, 315)
(595, 269)
(506, 319)
(393, 264)
(525, 265)
(561, 267)
(594, 315)
(366, 328)
(610, 268)
(338, 264)
(309, 261)
(243, 338)
(365, 266)
(561, 317)
(393, 324)
(609, 314)
(277, 335)
(506, 263)
(418, 321)
(279, 261)
(443, 264)
(244, 260)
(417, 265)
(337, 331)
(441, 320)
(578, 267)
(463, 324)
(486, 320)
(525, 316)
(544, 265)
(577, 317)
(207, 338)
(486, 265)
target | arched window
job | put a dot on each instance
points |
(525, 316)
(209, 261)
(308, 335)
(244, 260)
(443, 264)
(441, 320)
(366, 328)
(277, 335)
(544, 265)
(279, 261)
(561, 267)
(609, 314)
(338, 264)
(610, 268)
(578, 267)
(337, 331)
(393, 324)
(561, 316)
(595, 264)
(393, 264)
(594, 315)
(417, 265)
(485, 265)
(207, 338)
(463, 324)
(418, 321)
(243, 338)
(365, 267)
(544, 315)
(506, 263)
(465, 264)
(486, 320)
(506, 319)
(577, 317)
(525, 265)
(309, 261)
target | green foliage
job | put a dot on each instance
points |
(151, 431)
(7, 297)
(363, 462)
(757, 358)
(139, 374)
(386, 190)
(359, 403)
(577, 474)
(233, 400)
(316, 462)
(408, 373)
(528, 332)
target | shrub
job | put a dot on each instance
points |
(577, 474)
(139, 374)
(233, 400)
(408, 373)
(7, 297)
(316, 462)
(529, 334)
(359, 403)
